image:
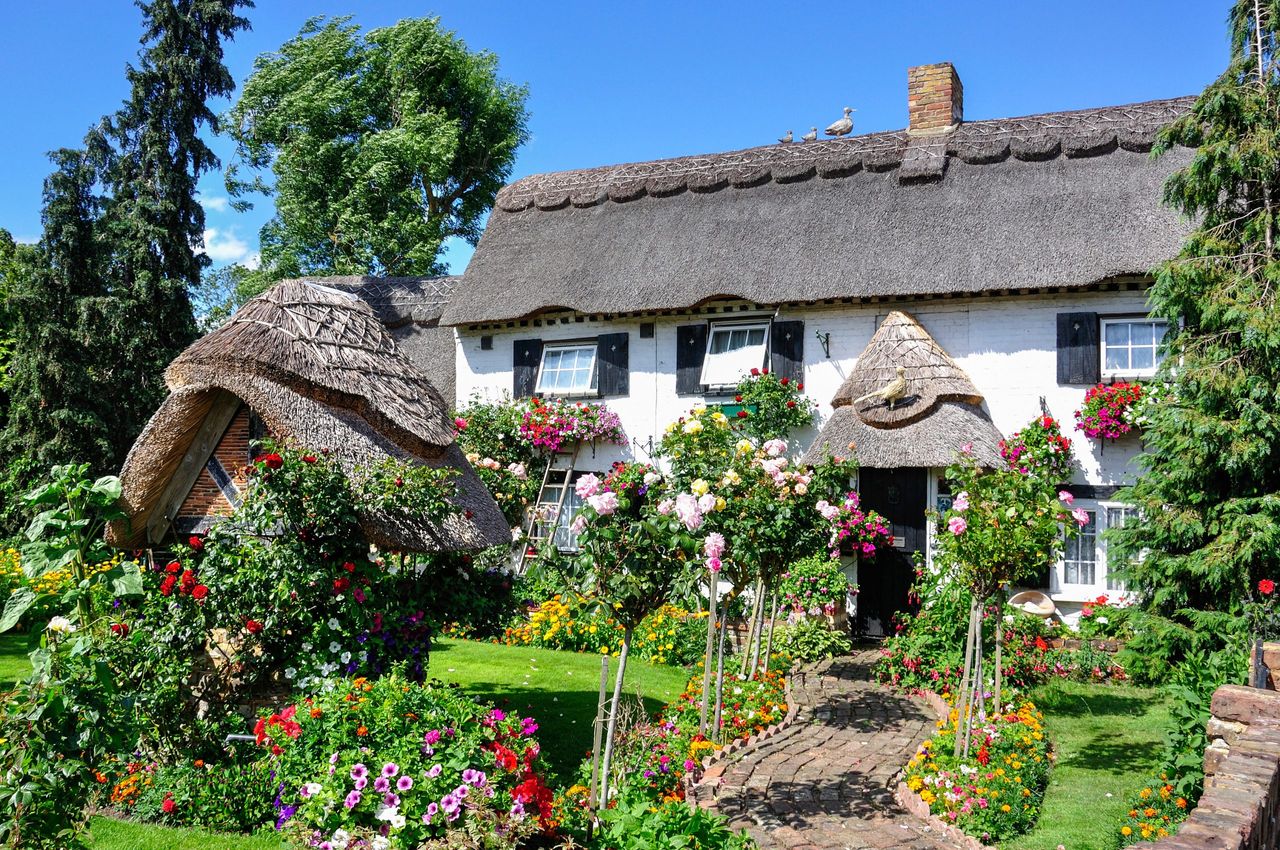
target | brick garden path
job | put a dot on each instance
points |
(824, 783)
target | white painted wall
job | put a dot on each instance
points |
(1006, 344)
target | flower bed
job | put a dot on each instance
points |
(670, 635)
(997, 791)
(1155, 811)
(396, 764)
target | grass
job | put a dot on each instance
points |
(558, 689)
(1108, 740)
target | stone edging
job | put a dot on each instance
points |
(712, 767)
(920, 809)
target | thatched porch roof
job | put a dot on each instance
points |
(318, 367)
(939, 414)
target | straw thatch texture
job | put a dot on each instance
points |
(930, 442)
(1057, 200)
(317, 366)
(932, 376)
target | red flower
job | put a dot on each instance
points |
(791, 404)
(755, 372)
(349, 567)
(252, 626)
(196, 543)
(166, 586)
(737, 398)
(173, 567)
(742, 414)
(1266, 587)
(785, 381)
(468, 513)
(1040, 643)
(199, 592)
(764, 371)
(308, 458)
(1101, 600)
(271, 461)
(341, 584)
(120, 629)
(800, 387)
(168, 805)
(188, 581)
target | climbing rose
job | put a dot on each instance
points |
(956, 525)
(604, 503)
(1065, 497)
(961, 502)
(199, 592)
(1266, 587)
(252, 626)
(196, 543)
(587, 486)
(1081, 517)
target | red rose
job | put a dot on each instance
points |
(791, 404)
(196, 543)
(399, 482)
(785, 381)
(271, 461)
(349, 567)
(742, 414)
(188, 581)
(737, 398)
(1266, 587)
(168, 805)
(308, 458)
(800, 387)
(166, 586)
(173, 568)
(120, 629)
(199, 592)
(764, 371)
(341, 584)
(755, 372)
(252, 626)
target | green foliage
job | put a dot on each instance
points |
(1209, 495)
(510, 467)
(108, 308)
(1191, 686)
(381, 146)
(814, 585)
(639, 825)
(699, 444)
(776, 407)
(229, 796)
(811, 639)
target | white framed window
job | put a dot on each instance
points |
(567, 369)
(733, 350)
(558, 525)
(1117, 514)
(1080, 553)
(1131, 347)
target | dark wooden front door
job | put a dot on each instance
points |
(884, 584)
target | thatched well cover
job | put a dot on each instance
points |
(318, 367)
(939, 413)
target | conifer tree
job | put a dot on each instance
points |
(95, 327)
(1209, 495)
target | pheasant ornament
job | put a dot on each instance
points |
(892, 392)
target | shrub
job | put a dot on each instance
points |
(412, 762)
(637, 824)
(1039, 449)
(488, 432)
(815, 585)
(996, 792)
(775, 406)
(231, 796)
(812, 640)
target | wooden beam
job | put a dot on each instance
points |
(222, 410)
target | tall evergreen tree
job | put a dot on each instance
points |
(1210, 493)
(96, 328)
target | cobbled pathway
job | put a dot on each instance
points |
(826, 782)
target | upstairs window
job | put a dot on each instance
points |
(1131, 347)
(733, 350)
(567, 369)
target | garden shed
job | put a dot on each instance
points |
(310, 364)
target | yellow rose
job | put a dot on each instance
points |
(699, 409)
(700, 487)
(721, 504)
(693, 426)
(744, 447)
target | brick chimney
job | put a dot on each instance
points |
(935, 98)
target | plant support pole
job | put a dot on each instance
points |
(613, 717)
(751, 630)
(773, 619)
(597, 732)
(709, 657)
(962, 706)
(724, 630)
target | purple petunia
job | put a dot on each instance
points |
(353, 800)
(359, 771)
(381, 784)
(390, 769)
(404, 783)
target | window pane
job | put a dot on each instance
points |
(1140, 333)
(1117, 358)
(1117, 333)
(567, 369)
(1142, 358)
(719, 342)
(756, 336)
(1080, 553)
(732, 353)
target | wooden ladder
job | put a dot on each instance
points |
(531, 516)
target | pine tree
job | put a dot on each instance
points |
(95, 328)
(1210, 492)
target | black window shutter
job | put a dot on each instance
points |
(691, 350)
(613, 368)
(786, 350)
(526, 357)
(1079, 361)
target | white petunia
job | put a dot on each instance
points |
(335, 647)
(334, 624)
(345, 657)
(290, 672)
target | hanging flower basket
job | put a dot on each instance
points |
(1039, 449)
(1110, 410)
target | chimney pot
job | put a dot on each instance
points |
(935, 98)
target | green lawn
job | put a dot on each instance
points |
(1108, 740)
(559, 689)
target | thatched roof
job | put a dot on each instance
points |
(1057, 200)
(317, 366)
(939, 414)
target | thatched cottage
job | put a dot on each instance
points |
(1003, 262)
(314, 364)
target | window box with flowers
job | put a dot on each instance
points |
(1111, 411)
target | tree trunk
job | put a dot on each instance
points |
(751, 631)
(999, 672)
(709, 657)
(755, 650)
(773, 619)
(597, 731)
(613, 718)
(962, 705)
(724, 630)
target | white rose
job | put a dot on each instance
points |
(61, 626)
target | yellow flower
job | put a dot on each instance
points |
(744, 447)
(1126, 831)
(693, 426)
(700, 487)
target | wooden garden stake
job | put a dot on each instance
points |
(597, 731)
(999, 672)
(963, 704)
(709, 656)
(724, 630)
(751, 630)
(613, 717)
(773, 618)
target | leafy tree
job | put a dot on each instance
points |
(381, 146)
(1209, 495)
(109, 308)
(17, 262)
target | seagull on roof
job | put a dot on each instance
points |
(844, 126)
(810, 136)
(787, 139)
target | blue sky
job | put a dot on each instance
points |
(615, 82)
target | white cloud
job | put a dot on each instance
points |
(223, 246)
(252, 261)
(215, 203)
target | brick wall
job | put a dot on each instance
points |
(205, 499)
(1241, 801)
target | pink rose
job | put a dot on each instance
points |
(1065, 497)
(1081, 517)
(713, 546)
(961, 502)
(587, 486)
(956, 525)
